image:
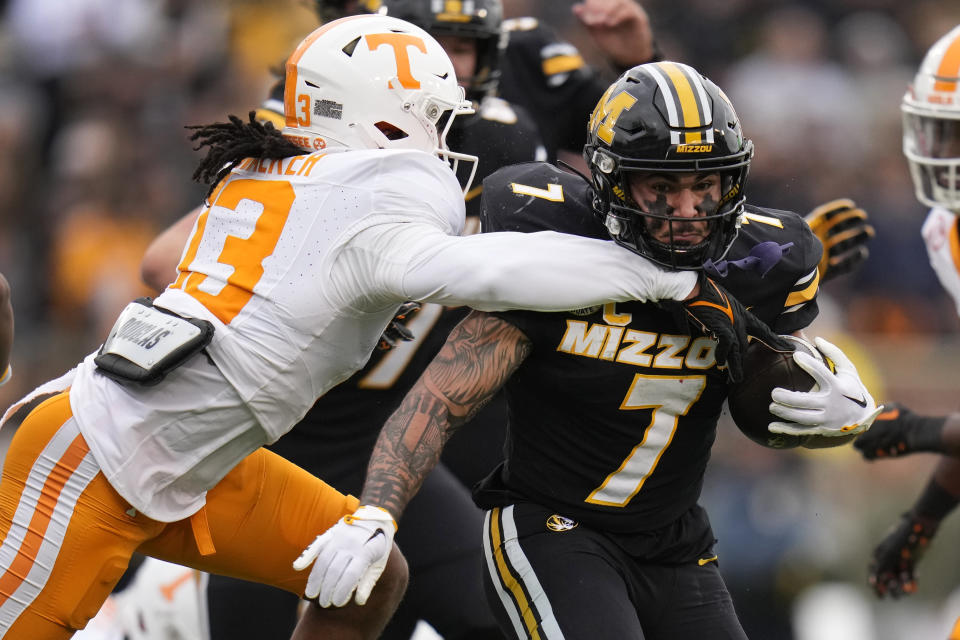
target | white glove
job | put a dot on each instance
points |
(349, 555)
(838, 406)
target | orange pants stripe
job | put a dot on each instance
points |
(67, 536)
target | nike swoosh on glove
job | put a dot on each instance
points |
(349, 556)
(839, 405)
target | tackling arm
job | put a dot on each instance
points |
(159, 264)
(543, 271)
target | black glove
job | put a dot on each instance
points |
(894, 560)
(397, 331)
(844, 232)
(721, 316)
(898, 431)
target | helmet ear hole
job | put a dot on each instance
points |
(390, 131)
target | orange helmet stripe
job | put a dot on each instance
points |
(290, 83)
(949, 69)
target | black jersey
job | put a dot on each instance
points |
(551, 80)
(613, 413)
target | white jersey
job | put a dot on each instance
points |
(300, 264)
(941, 235)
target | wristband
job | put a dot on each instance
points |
(935, 502)
(6, 375)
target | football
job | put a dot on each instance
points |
(765, 369)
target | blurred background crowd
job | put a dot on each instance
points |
(95, 160)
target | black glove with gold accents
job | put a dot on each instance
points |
(844, 231)
(397, 330)
(721, 316)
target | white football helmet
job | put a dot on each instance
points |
(369, 82)
(931, 125)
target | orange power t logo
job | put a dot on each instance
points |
(399, 42)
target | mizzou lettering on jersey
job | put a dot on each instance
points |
(639, 348)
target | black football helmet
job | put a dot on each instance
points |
(664, 117)
(479, 20)
(330, 10)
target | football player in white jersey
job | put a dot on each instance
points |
(6, 329)
(308, 245)
(931, 143)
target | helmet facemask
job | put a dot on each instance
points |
(932, 147)
(650, 228)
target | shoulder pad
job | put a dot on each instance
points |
(536, 196)
(786, 296)
(497, 110)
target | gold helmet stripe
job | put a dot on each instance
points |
(685, 98)
(949, 69)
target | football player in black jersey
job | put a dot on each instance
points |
(592, 527)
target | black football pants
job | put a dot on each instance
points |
(576, 584)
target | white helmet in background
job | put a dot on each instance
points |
(931, 125)
(165, 601)
(369, 82)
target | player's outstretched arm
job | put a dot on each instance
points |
(620, 28)
(892, 569)
(898, 431)
(158, 268)
(6, 329)
(543, 271)
(478, 357)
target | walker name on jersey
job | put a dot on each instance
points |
(647, 349)
(292, 166)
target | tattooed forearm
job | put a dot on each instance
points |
(480, 354)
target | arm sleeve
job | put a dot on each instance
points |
(544, 271)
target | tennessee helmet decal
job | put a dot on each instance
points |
(685, 100)
(399, 42)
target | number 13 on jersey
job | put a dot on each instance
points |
(223, 261)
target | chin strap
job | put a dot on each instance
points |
(761, 259)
